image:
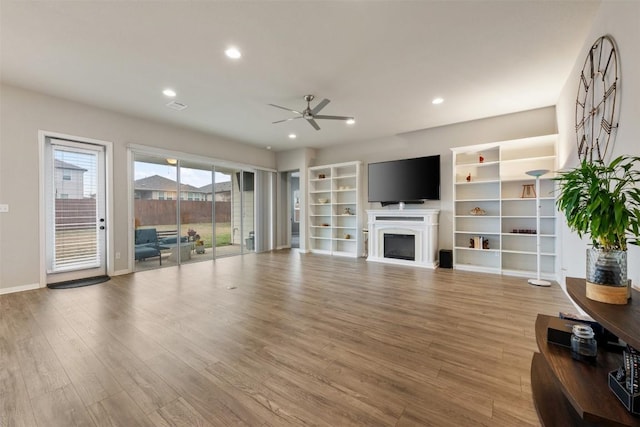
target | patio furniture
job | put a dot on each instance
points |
(146, 244)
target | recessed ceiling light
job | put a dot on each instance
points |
(172, 161)
(169, 92)
(437, 101)
(268, 147)
(292, 136)
(233, 53)
(351, 121)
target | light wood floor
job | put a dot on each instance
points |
(300, 339)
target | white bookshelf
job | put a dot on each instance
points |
(496, 185)
(335, 209)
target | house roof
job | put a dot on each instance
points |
(221, 187)
(380, 61)
(160, 183)
(60, 164)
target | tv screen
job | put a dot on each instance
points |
(406, 180)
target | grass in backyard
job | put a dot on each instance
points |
(223, 232)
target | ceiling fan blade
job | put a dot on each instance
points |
(320, 106)
(286, 120)
(285, 108)
(332, 117)
(314, 124)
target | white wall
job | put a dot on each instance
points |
(440, 140)
(23, 113)
(620, 19)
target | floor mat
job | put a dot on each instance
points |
(78, 282)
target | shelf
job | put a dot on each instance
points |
(477, 216)
(622, 320)
(476, 250)
(472, 182)
(524, 199)
(494, 162)
(341, 188)
(478, 200)
(584, 386)
(508, 251)
(552, 407)
(489, 233)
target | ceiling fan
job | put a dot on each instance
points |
(311, 114)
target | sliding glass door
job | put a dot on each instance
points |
(188, 211)
(196, 212)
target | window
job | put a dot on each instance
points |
(66, 175)
(160, 195)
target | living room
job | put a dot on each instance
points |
(27, 110)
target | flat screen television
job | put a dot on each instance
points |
(407, 180)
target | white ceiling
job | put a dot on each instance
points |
(380, 61)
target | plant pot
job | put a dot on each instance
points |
(607, 276)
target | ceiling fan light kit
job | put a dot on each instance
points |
(311, 114)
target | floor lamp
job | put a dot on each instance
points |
(537, 173)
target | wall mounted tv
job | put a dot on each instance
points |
(407, 180)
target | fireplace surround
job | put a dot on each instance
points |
(417, 225)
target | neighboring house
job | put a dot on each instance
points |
(223, 191)
(68, 180)
(157, 187)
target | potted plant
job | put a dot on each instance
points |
(603, 201)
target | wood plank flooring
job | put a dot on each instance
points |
(274, 339)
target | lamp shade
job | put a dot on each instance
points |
(537, 172)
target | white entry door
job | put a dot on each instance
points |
(75, 200)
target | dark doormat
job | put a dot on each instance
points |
(78, 282)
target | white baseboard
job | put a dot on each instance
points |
(120, 272)
(21, 288)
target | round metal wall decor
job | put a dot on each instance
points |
(596, 106)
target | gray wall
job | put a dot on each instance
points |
(23, 113)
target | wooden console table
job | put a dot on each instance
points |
(571, 393)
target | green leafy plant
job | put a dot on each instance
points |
(602, 201)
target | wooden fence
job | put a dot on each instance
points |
(162, 212)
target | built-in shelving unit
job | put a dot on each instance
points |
(492, 177)
(571, 393)
(335, 217)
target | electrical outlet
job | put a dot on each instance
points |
(117, 255)
(4, 208)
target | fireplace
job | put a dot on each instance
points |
(407, 237)
(400, 246)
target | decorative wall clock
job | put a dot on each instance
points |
(596, 108)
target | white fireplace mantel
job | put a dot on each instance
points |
(421, 223)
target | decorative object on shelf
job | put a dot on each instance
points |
(604, 201)
(347, 211)
(597, 106)
(485, 243)
(528, 191)
(322, 176)
(471, 243)
(324, 224)
(480, 158)
(477, 211)
(323, 201)
(469, 177)
(537, 173)
(347, 236)
(477, 242)
(583, 344)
